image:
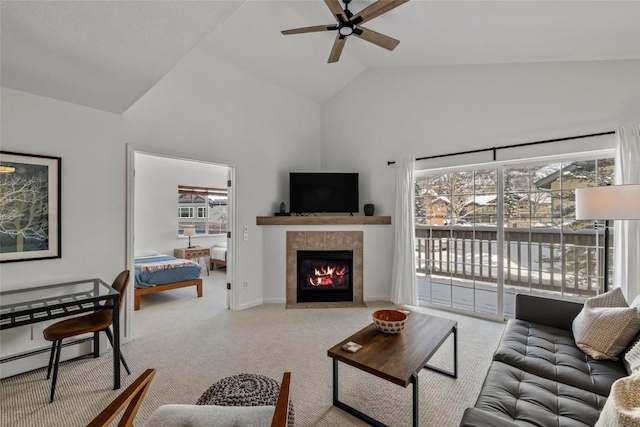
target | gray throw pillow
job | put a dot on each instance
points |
(606, 325)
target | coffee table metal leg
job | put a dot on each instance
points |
(453, 373)
(455, 352)
(416, 398)
(353, 411)
(335, 381)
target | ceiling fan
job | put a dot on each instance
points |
(350, 24)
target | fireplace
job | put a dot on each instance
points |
(324, 276)
(323, 242)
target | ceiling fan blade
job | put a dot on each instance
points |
(313, 29)
(376, 9)
(336, 10)
(337, 49)
(377, 38)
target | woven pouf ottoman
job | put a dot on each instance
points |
(244, 390)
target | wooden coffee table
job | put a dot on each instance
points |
(397, 358)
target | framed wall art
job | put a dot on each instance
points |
(29, 207)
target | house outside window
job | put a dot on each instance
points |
(209, 206)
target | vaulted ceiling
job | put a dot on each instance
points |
(107, 54)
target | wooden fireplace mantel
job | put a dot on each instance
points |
(323, 220)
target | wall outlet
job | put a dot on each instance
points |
(246, 236)
(245, 284)
(246, 228)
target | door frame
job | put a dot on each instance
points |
(232, 264)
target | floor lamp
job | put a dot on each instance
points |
(614, 202)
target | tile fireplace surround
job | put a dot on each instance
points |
(321, 241)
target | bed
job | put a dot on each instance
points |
(156, 272)
(218, 255)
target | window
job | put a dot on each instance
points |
(185, 212)
(513, 226)
(209, 206)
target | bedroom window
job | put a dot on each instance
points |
(206, 207)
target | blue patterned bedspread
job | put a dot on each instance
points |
(188, 270)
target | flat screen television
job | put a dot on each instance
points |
(323, 192)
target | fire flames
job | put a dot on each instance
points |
(326, 276)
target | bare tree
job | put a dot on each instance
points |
(24, 208)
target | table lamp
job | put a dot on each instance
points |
(614, 202)
(189, 231)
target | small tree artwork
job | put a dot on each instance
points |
(29, 207)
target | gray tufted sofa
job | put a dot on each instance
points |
(538, 376)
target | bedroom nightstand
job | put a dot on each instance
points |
(193, 253)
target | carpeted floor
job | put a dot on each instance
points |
(193, 342)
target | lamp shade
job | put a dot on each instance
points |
(189, 231)
(615, 202)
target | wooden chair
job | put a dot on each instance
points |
(131, 398)
(98, 321)
(214, 415)
(281, 414)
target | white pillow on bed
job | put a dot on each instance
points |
(145, 252)
(220, 245)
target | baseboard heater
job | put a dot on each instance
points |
(43, 350)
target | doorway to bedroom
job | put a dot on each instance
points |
(180, 222)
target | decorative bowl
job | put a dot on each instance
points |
(389, 321)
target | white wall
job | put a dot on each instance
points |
(91, 145)
(209, 109)
(156, 200)
(388, 113)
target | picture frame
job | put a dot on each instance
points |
(30, 207)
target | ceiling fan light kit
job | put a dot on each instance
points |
(350, 24)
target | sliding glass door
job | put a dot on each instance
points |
(456, 242)
(484, 235)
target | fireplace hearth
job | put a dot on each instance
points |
(325, 276)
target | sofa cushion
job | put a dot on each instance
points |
(552, 354)
(527, 399)
(474, 417)
(605, 325)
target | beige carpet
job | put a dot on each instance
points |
(193, 342)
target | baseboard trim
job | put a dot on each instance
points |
(32, 360)
(41, 350)
(383, 298)
(250, 304)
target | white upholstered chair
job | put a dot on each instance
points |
(195, 415)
